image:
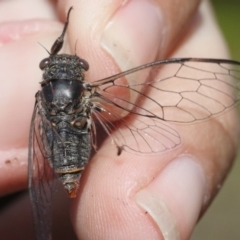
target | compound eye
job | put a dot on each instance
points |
(84, 64)
(44, 63)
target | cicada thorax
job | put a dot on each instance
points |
(70, 138)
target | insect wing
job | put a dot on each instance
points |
(153, 95)
(139, 134)
(41, 184)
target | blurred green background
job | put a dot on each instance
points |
(222, 221)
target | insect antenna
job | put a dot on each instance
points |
(44, 48)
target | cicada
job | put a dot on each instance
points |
(135, 108)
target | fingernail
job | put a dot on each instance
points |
(134, 33)
(174, 198)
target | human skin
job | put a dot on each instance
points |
(116, 192)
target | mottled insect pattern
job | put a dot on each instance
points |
(135, 108)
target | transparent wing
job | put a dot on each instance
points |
(156, 94)
(139, 134)
(41, 175)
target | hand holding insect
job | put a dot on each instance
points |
(203, 141)
(134, 176)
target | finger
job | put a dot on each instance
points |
(20, 54)
(113, 191)
(124, 33)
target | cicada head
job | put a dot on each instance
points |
(63, 66)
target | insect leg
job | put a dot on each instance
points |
(57, 46)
